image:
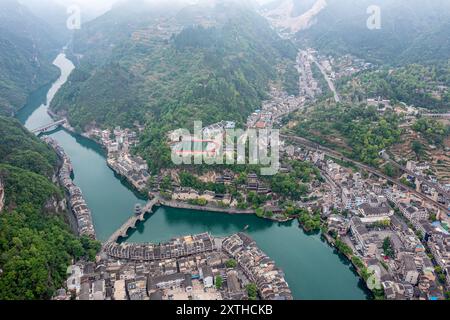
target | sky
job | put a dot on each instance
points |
(97, 6)
(104, 5)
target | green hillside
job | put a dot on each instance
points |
(171, 70)
(36, 244)
(423, 86)
(27, 49)
(21, 149)
(411, 31)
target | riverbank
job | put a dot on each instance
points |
(74, 196)
(133, 170)
(167, 203)
(359, 268)
(213, 208)
(207, 208)
(312, 269)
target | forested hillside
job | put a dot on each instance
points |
(358, 131)
(186, 66)
(36, 244)
(425, 86)
(20, 149)
(27, 49)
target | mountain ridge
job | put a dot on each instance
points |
(27, 50)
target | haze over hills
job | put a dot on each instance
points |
(171, 64)
(27, 48)
(292, 16)
(411, 49)
(411, 30)
(56, 12)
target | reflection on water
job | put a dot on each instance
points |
(35, 100)
(196, 222)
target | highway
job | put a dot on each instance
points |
(327, 78)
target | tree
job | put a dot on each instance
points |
(433, 217)
(447, 295)
(36, 244)
(387, 248)
(390, 170)
(343, 248)
(434, 131)
(252, 291)
(418, 149)
(219, 282)
(308, 221)
(407, 183)
(260, 212)
(199, 202)
(231, 263)
(268, 214)
(358, 262)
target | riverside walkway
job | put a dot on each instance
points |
(209, 208)
(131, 223)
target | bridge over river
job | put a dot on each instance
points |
(131, 223)
(49, 126)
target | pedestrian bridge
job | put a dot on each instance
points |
(131, 223)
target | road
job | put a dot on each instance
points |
(327, 78)
(334, 154)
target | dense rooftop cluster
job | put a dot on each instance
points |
(176, 248)
(258, 267)
(76, 201)
(191, 267)
(118, 144)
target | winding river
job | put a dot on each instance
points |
(313, 269)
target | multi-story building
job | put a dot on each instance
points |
(409, 269)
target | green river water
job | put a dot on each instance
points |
(313, 269)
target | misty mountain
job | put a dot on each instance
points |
(172, 65)
(53, 13)
(56, 13)
(411, 30)
(27, 48)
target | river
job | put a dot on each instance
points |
(313, 269)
